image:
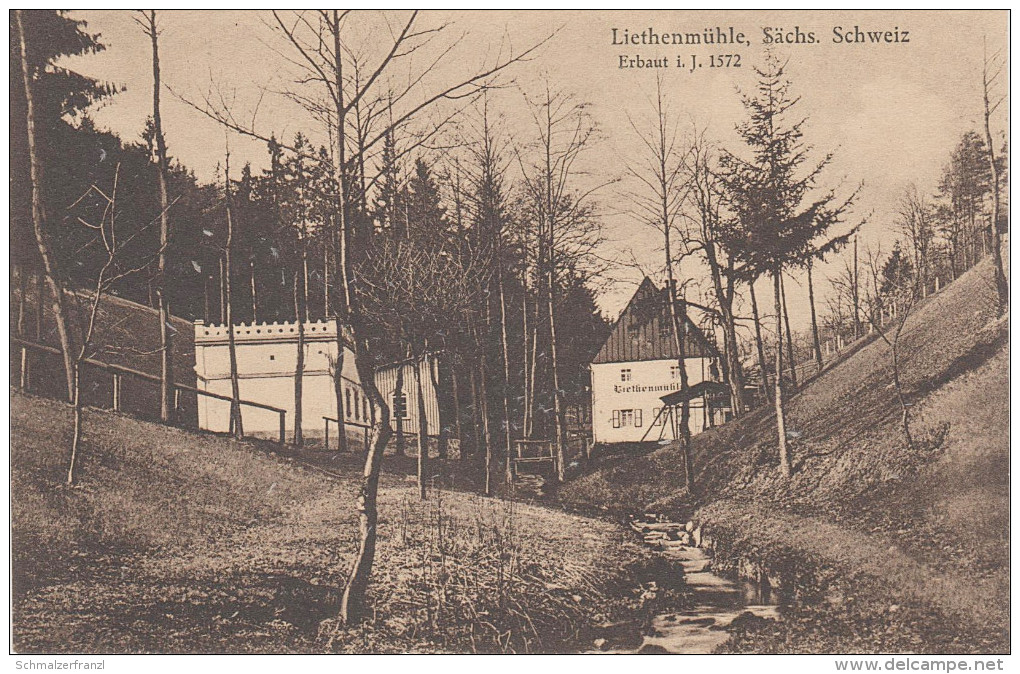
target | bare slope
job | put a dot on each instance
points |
(177, 542)
(929, 526)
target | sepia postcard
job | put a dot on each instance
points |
(510, 332)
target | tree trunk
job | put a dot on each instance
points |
(423, 428)
(39, 218)
(254, 293)
(399, 414)
(223, 291)
(166, 388)
(678, 319)
(40, 304)
(529, 426)
(22, 303)
(758, 340)
(526, 370)
(855, 293)
(236, 423)
(352, 605)
(784, 454)
(455, 385)
(814, 320)
(789, 339)
(904, 408)
(483, 391)
(206, 306)
(1001, 285)
(338, 391)
(72, 464)
(476, 413)
(439, 375)
(506, 377)
(724, 298)
(299, 372)
(554, 367)
(325, 277)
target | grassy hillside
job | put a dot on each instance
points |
(176, 542)
(127, 334)
(927, 528)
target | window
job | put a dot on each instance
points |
(272, 357)
(626, 418)
(347, 402)
(364, 410)
(625, 374)
(656, 419)
(674, 371)
(357, 406)
(400, 406)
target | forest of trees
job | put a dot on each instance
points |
(425, 227)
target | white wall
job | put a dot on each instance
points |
(386, 380)
(649, 381)
(266, 364)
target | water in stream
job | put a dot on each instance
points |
(717, 602)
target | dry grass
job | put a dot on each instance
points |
(177, 542)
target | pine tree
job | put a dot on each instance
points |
(779, 220)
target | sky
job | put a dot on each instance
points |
(890, 113)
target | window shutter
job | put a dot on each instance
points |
(616, 418)
(637, 418)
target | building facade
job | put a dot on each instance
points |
(266, 368)
(638, 365)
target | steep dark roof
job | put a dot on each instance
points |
(644, 331)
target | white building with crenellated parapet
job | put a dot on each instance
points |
(266, 369)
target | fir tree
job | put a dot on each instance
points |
(781, 222)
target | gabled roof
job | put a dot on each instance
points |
(644, 331)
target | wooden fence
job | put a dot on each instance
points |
(119, 372)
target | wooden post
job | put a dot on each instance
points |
(586, 447)
(325, 440)
(283, 427)
(116, 392)
(177, 405)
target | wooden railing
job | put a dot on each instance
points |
(327, 420)
(117, 372)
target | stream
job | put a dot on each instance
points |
(717, 601)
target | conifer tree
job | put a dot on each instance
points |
(781, 222)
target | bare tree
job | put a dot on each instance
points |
(149, 25)
(916, 222)
(565, 130)
(664, 178)
(316, 47)
(236, 422)
(487, 201)
(111, 271)
(992, 68)
(39, 220)
(903, 291)
(413, 288)
(704, 211)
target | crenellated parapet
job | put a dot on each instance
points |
(264, 332)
